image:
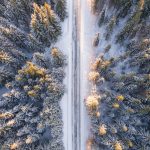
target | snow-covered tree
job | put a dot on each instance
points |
(45, 25)
(14, 44)
(30, 115)
(60, 9)
(10, 61)
(19, 12)
(121, 118)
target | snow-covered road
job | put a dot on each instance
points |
(65, 44)
(76, 42)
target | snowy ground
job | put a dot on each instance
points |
(65, 44)
(88, 29)
(77, 46)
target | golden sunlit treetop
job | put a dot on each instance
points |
(118, 146)
(92, 101)
(120, 98)
(102, 129)
(93, 76)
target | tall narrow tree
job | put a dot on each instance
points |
(45, 25)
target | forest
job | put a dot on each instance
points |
(118, 103)
(75, 75)
(31, 74)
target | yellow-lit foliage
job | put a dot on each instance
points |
(102, 129)
(36, 8)
(105, 64)
(33, 22)
(42, 80)
(96, 64)
(11, 123)
(37, 11)
(92, 102)
(118, 146)
(18, 78)
(50, 13)
(100, 64)
(116, 105)
(89, 144)
(44, 20)
(55, 52)
(14, 146)
(145, 43)
(141, 4)
(32, 70)
(45, 14)
(29, 140)
(32, 93)
(98, 114)
(146, 56)
(93, 76)
(6, 115)
(130, 143)
(4, 57)
(36, 87)
(120, 97)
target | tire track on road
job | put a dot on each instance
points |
(76, 77)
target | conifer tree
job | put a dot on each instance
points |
(10, 61)
(61, 9)
(30, 115)
(19, 12)
(121, 118)
(2, 8)
(15, 44)
(45, 25)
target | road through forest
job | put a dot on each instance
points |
(76, 42)
(85, 28)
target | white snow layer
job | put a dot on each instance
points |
(65, 44)
(88, 30)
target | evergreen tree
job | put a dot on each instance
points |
(30, 114)
(19, 12)
(45, 25)
(61, 9)
(15, 44)
(10, 61)
(120, 117)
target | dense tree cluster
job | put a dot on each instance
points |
(120, 114)
(21, 35)
(17, 45)
(30, 115)
(45, 24)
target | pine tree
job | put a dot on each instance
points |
(61, 9)
(45, 25)
(10, 62)
(30, 114)
(19, 12)
(16, 44)
(121, 118)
